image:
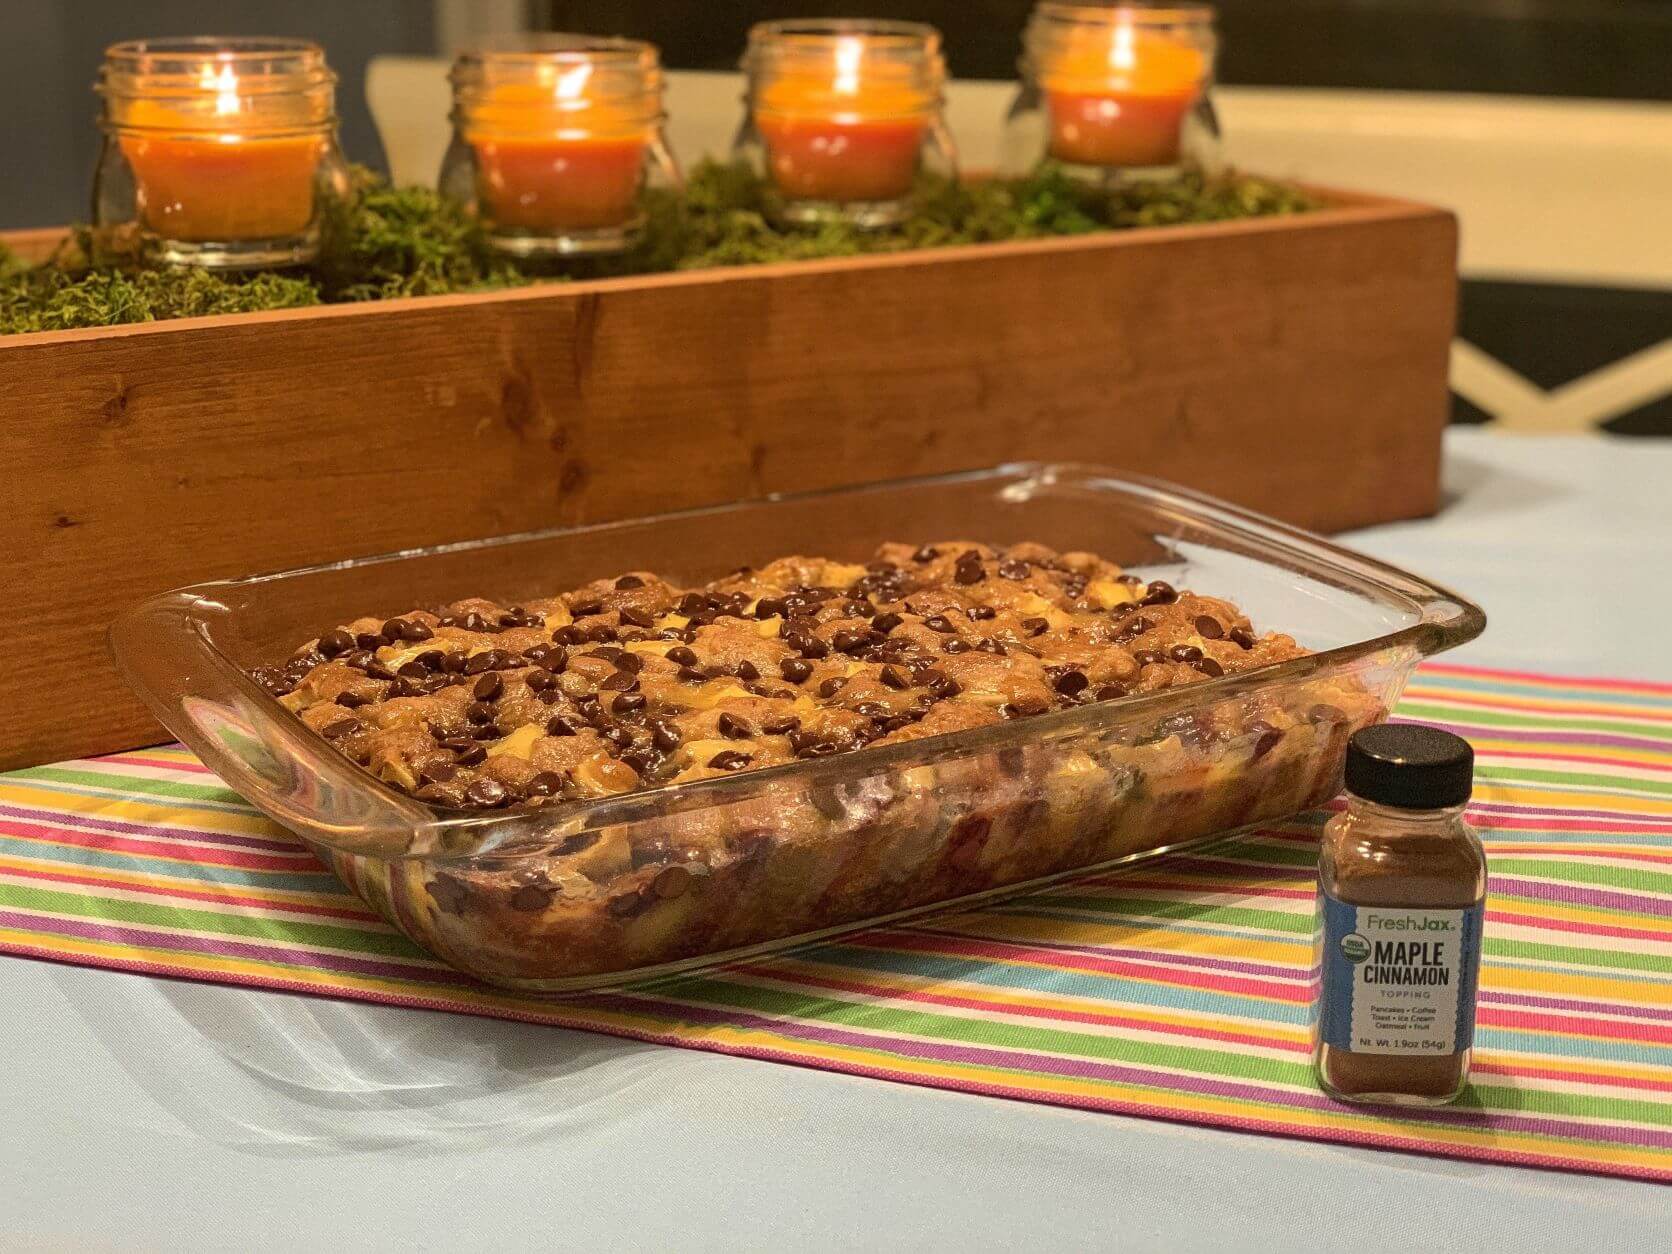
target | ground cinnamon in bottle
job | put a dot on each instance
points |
(1401, 892)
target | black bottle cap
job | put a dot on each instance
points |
(1410, 765)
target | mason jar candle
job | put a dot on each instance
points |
(556, 140)
(840, 116)
(223, 151)
(1114, 89)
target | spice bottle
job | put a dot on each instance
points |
(1401, 893)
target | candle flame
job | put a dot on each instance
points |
(1123, 52)
(223, 83)
(850, 50)
(571, 83)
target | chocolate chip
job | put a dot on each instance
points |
(539, 681)
(334, 642)
(990, 646)
(342, 727)
(795, 670)
(734, 728)
(781, 725)
(369, 640)
(1208, 627)
(831, 686)
(944, 688)
(531, 898)
(981, 613)
(1024, 707)
(729, 760)
(850, 640)
(479, 712)
(1035, 626)
(957, 646)
(591, 605)
(486, 793)
(1111, 692)
(691, 674)
(454, 663)
(682, 655)
(629, 581)
(1132, 630)
(894, 679)
(812, 647)
(636, 618)
(557, 725)
(394, 629)
(569, 634)
(664, 735)
(747, 671)
(619, 681)
(927, 553)
(1209, 667)
(1014, 570)
(886, 623)
(628, 702)
(448, 893)
(809, 744)
(1148, 657)
(402, 687)
(771, 607)
(477, 663)
(467, 753)
(1159, 593)
(940, 623)
(352, 700)
(554, 657)
(672, 881)
(1241, 636)
(1071, 683)
(377, 670)
(1325, 714)
(629, 904)
(489, 687)
(1185, 653)
(437, 772)
(968, 572)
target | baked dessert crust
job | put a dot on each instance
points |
(635, 682)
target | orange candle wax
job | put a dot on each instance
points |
(1124, 104)
(550, 161)
(233, 188)
(845, 138)
(212, 175)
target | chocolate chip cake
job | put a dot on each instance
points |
(636, 681)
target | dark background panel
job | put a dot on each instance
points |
(1608, 48)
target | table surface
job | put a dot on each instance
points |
(139, 1113)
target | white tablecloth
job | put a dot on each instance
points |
(139, 1113)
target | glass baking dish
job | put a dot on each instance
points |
(583, 893)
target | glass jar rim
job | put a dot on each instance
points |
(883, 34)
(1125, 12)
(543, 48)
(621, 73)
(264, 65)
(232, 48)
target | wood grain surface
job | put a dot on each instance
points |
(1297, 366)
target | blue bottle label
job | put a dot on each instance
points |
(1397, 981)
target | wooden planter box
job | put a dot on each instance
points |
(1295, 365)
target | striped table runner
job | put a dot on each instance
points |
(1177, 990)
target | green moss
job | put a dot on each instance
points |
(387, 242)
